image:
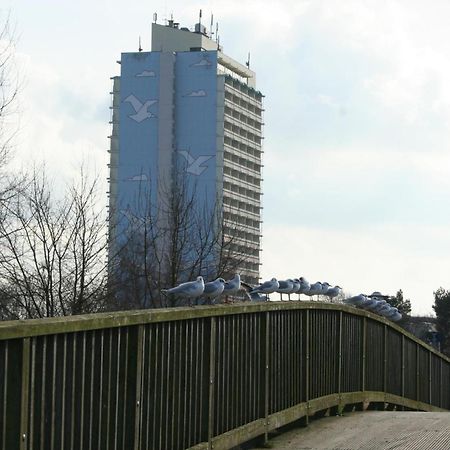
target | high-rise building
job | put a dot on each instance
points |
(186, 100)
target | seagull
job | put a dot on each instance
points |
(384, 310)
(304, 286)
(189, 290)
(333, 292)
(285, 287)
(267, 287)
(371, 304)
(141, 109)
(233, 286)
(325, 287)
(213, 289)
(381, 304)
(357, 300)
(257, 297)
(395, 315)
(295, 287)
(315, 289)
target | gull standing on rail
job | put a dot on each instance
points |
(357, 300)
(295, 287)
(285, 287)
(214, 289)
(189, 290)
(333, 292)
(268, 287)
(304, 286)
(232, 287)
(315, 289)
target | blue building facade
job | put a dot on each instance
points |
(185, 111)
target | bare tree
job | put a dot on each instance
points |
(161, 245)
(9, 88)
(52, 251)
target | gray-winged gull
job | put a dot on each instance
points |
(190, 290)
(233, 286)
(285, 287)
(268, 287)
(304, 286)
(333, 292)
(214, 289)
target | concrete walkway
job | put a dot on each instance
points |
(371, 430)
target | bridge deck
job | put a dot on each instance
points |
(371, 430)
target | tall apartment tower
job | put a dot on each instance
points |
(187, 99)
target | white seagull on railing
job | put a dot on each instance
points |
(304, 286)
(268, 287)
(285, 287)
(214, 289)
(315, 289)
(356, 300)
(232, 287)
(190, 290)
(333, 292)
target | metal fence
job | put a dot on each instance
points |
(206, 377)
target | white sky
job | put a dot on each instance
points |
(357, 153)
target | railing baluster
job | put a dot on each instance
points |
(212, 379)
(25, 393)
(363, 360)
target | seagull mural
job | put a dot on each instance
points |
(141, 109)
(195, 165)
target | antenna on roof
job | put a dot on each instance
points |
(211, 28)
(217, 30)
(140, 48)
(248, 61)
(200, 19)
(155, 17)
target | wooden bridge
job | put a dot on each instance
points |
(206, 377)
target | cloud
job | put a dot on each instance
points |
(204, 62)
(146, 73)
(381, 258)
(139, 177)
(199, 93)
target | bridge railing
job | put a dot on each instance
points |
(205, 377)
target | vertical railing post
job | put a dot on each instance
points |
(385, 360)
(24, 435)
(138, 378)
(429, 378)
(403, 367)
(212, 380)
(266, 340)
(340, 356)
(417, 372)
(363, 363)
(307, 377)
